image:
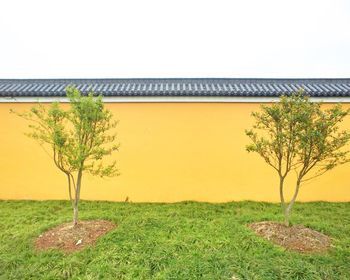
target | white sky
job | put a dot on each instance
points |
(179, 38)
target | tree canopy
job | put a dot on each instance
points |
(297, 135)
(79, 138)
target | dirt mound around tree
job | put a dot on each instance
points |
(296, 238)
(67, 238)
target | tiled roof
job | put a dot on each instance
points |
(177, 87)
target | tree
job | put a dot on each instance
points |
(295, 134)
(79, 138)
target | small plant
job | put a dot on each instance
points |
(79, 138)
(295, 134)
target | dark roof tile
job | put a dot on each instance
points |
(176, 87)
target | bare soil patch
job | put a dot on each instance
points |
(67, 238)
(296, 238)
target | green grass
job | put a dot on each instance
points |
(172, 241)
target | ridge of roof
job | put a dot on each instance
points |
(171, 79)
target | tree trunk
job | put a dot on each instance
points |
(286, 216)
(288, 209)
(75, 215)
(283, 204)
(77, 199)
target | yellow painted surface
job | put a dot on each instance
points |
(169, 152)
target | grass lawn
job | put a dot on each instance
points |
(172, 241)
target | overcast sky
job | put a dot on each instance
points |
(181, 38)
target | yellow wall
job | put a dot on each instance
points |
(169, 152)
